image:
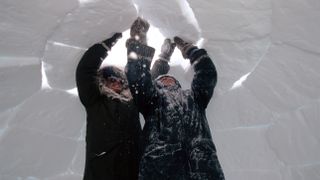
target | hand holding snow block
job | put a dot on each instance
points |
(171, 17)
(184, 47)
(110, 42)
(167, 49)
(139, 29)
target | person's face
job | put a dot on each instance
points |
(168, 81)
(116, 84)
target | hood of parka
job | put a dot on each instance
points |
(161, 86)
(112, 71)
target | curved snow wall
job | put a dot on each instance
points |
(264, 115)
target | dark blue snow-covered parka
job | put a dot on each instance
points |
(176, 136)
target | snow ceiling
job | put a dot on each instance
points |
(264, 116)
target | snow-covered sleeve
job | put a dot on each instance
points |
(139, 76)
(86, 74)
(159, 67)
(205, 77)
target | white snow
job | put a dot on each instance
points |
(44, 79)
(265, 112)
(240, 81)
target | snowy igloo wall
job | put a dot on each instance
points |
(264, 115)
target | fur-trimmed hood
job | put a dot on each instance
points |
(112, 71)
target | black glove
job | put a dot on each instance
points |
(108, 43)
(139, 29)
(184, 47)
(167, 49)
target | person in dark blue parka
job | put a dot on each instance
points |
(176, 136)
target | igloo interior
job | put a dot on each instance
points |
(264, 115)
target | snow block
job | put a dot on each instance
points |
(47, 133)
(61, 63)
(236, 35)
(245, 148)
(295, 23)
(311, 116)
(254, 174)
(27, 153)
(237, 108)
(235, 59)
(94, 22)
(173, 18)
(20, 77)
(78, 161)
(293, 140)
(231, 5)
(26, 25)
(51, 112)
(66, 176)
(5, 117)
(305, 172)
(232, 20)
(265, 128)
(286, 78)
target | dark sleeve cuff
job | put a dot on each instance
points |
(196, 54)
(136, 51)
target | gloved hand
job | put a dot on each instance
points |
(108, 43)
(184, 47)
(139, 29)
(167, 49)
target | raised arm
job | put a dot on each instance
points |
(161, 66)
(87, 68)
(205, 77)
(138, 74)
(138, 66)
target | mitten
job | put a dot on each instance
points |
(139, 29)
(167, 49)
(108, 43)
(184, 47)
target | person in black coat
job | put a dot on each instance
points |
(113, 126)
(176, 136)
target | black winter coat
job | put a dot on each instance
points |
(178, 143)
(113, 126)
